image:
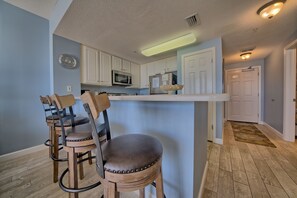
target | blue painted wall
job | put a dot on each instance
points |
(217, 44)
(274, 85)
(24, 75)
(63, 76)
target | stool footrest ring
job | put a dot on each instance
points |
(76, 190)
(47, 143)
(59, 159)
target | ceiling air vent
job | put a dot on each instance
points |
(193, 20)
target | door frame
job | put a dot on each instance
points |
(259, 89)
(211, 105)
(289, 84)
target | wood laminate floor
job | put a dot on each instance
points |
(235, 169)
(238, 169)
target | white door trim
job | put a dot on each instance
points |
(259, 88)
(211, 105)
(289, 85)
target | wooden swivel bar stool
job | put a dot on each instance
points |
(127, 162)
(54, 124)
(77, 140)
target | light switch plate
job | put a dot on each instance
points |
(69, 88)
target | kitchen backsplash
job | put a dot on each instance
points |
(113, 89)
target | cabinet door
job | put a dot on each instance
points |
(151, 69)
(159, 66)
(171, 64)
(116, 63)
(144, 80)
(135, 71)
(126, 66)
(105, 69)
(89, 65)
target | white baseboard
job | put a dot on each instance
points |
(23, 152)
(203, 180)
(276, 132)
(261, 122)
(218, 141)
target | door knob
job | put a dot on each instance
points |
(294, 99)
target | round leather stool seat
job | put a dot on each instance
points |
(77, 121)
(131, 153)
(79, 133)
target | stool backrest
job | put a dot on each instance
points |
(62, 103)
(49, 108)
(94, 105)
(97, 103)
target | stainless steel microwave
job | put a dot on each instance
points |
(121, 78)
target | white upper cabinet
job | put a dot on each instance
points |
(135, 72)
(171, 64)
(95, 67)
(126, 66)
(116, 63)
(160, 66)
(105, 69)
(121, 64)
(144, 80)
(89, 65)
(156, 67)
(151, 68)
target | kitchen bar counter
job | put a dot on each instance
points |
(180, 122)
(173, 98)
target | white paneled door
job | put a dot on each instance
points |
(243, 87)
(198, 73)
(198, 78)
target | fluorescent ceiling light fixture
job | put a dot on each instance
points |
(169, 45)
(245, 56)
(271, 9)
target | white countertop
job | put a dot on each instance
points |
(173, 98)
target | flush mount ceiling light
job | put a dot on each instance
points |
(169, 45)
(246, 55)
(271, 9)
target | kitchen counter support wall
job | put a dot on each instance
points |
(182, 129)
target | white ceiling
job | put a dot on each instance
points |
(125, 27)
(41, 8)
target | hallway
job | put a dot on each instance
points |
(238, 169)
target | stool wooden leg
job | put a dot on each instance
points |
(72, 165)
(142, 193)
(81, 168)
(56, 155)
(50, 148)
(110, 190)
(159, 185)
(89, 156)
